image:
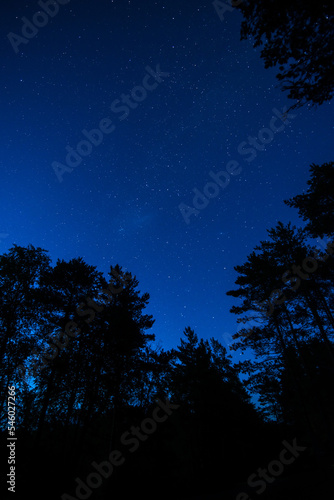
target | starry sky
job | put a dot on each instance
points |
(121, 202)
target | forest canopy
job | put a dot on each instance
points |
(81, 351)
(297, 37)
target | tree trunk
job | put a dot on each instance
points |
(319, 323)
(45, 405)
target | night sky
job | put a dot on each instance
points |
(121, 203)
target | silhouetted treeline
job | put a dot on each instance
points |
(296, 37)
(287, 298)
(90, 380)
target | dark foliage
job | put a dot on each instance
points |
(316, 206)
(297, 37)
(91, 382)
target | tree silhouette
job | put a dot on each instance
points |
(295, 317)
(21, 273)
(296, 36)
(90, 371)
(216, 409)
(316, 206)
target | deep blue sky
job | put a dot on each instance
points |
(121, 204)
